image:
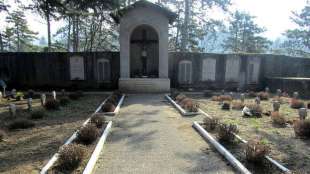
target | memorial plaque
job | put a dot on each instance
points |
(77, 68)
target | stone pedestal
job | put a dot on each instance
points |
(144, 85)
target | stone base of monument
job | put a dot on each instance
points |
(144, 85)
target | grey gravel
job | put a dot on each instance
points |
(150, 136)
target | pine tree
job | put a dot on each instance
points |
(18, 36)
(244, 35)
(301, 35)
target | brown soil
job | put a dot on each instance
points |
(292, 152)
(27, 151)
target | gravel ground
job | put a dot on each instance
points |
(150, 136)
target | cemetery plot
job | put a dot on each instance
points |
(267, 119)
(32, 137)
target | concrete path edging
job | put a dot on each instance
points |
(179, 108)
(231, 159)
(54, 158)
(95, 155)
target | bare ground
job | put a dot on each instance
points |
(293, 152)
(26, 151)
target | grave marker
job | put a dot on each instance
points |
(29, 104)
(54, 95)
(12, 109)
(302, 113)
(276, 106)
(43, 99)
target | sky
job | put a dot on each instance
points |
(274, 15)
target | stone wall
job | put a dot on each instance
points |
(195, 70)
(44, 70)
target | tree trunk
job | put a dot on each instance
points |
(184, 41)
(49, 42)
(1, 43)
(69, 34)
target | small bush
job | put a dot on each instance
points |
(278, 119)
(179, 98)
(237, 105)
(118, 93)
(225, 106)
(308, 105)
(70, 156)
(2, 135)
(263, 95)
(76, 95)
(223, 98)
(302, 128)
(174, 94)
(63, 101)
(256, 150)
(97, 120)
(30, 93)
(297, 104)
(113, 99)
(226, 132)
(255, 110)
(252, 94)
(51, 104)
(211, 124)
(37, 114)
(215, 98)
(108, 107)
(21, 124)
(88, 134)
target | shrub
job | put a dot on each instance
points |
(63, 101)
(237, 105)
(30, 93)
(263, 95)
(211, 124)
(252, 94)
(278, 119)
(51, 104)
(302, 128)
(215, 98)
(19, 96)
(179, 98)
(37, 114)
(297, 104)
(108, 107)
(255, 110)
(97, 120)
(308, 105)
(225, 106)
(225, 98)
(118, 93)
(226, 132)
(256, 150)
(76, 95)
(70, 156)
(191, 106)
(174, 94)
(2, 135)
(21, 124)
(88, 134)
(113, 99)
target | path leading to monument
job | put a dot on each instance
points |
(150, 137)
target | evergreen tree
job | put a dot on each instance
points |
(244, 35)
(18, 36)
(299, 38)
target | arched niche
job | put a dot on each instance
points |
(144, 53)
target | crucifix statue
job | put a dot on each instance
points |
(143, 43)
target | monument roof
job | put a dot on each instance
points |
(118, 14)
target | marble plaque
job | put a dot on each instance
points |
(77, 68)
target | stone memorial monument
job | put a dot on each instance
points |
(144, 47)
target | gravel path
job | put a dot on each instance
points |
(149, 136)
